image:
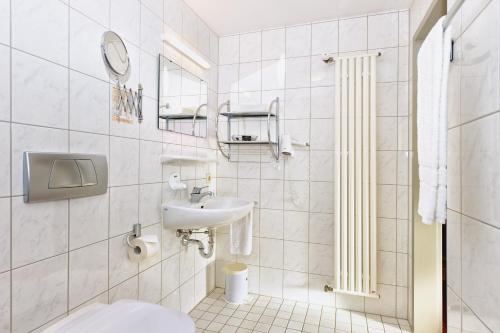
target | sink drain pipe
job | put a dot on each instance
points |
(186, 239)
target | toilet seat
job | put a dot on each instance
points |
(125, 316)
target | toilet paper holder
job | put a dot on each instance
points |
(135, 233)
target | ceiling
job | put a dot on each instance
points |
(235, 16)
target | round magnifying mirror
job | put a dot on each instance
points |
(115, 57)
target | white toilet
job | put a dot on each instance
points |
(125, 316)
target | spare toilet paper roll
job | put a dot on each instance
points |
(143, 247)
(286, 145)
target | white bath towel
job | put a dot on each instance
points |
(433, 65)
(240, 235)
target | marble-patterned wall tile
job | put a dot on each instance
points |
(39, 230)
(150, 284)
(5, 224)
(41, 28)
(298, 72)
(4, 82)
(298, 41)
(95, 9)
(229, 50)
(404, 27)
(88, 220)
(386, 304)
(122, 214)
(186, 295)
(5, 302)
(325, 37)
(151, 31)
(295, 285)
(5, 163)
(84, 49)
(150, 204)
(125, 19)
(170, 276)
(321, 229)
(125, 290)
(321, 197)
(479, 78)
(454, 251)
(250, 47)
(271, 282)
(353, 34)
(453, 312)
(480, 250)
(39, 293)
(273, 44)
(48, 91)
(124, 161)
(88, 104)
(88, 273)
(480, 175)
(5, 22)
(317, 294)
(383, 30)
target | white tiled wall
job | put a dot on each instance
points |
(293, 232)
(54, 96)
(473, 228)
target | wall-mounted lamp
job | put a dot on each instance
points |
(176, 42)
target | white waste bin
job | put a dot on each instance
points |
(236, 282)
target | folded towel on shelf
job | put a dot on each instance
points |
(433, 65)
(240, 235)
(249, 108)
(185, 111)
(188, 110)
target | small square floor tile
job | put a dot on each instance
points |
(264, 314)
(295, 325)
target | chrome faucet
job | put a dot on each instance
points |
(197, 195)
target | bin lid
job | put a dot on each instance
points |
(235, 268)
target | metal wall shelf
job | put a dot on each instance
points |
(180, 116)
(248, 114)
(225, 146)
(257, 142)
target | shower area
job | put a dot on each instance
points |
(332, 224)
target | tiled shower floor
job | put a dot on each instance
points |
(263, 314)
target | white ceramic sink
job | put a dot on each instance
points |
(208, 213)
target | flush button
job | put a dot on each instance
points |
(64, 173)
(87, 171)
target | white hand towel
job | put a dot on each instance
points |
(240, 235)
(433, 65)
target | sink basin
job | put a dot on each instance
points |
(208, 213)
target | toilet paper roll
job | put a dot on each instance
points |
(286, 145)
(143, 247)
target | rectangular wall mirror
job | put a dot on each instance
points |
(183, 96)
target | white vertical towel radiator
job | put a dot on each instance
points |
(355, 176)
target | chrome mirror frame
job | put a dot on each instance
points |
(112, 39)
